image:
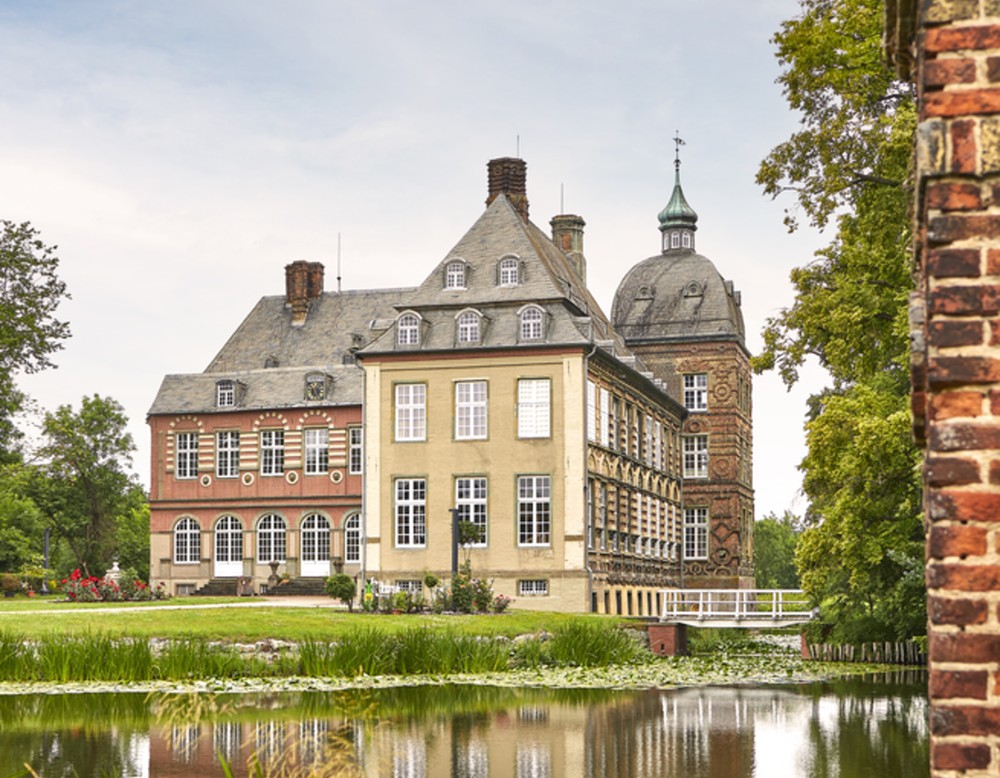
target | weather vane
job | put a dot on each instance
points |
(678, 142)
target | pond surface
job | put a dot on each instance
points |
(871, 726)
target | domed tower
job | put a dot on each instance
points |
(684, 321)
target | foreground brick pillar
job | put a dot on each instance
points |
(668, 639)
(955, 324)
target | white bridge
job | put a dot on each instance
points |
(736, 608)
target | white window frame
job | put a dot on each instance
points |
(355, 450)
(604, 432)
(696, 456)
(509, 271)
(411, 412)
(454, 275)
(471, 501)
(227, 454)
(534, 510)
(408, 330)
(185, 455)
(532, 327)
(410, 512)
(696, 392)
(591, 411)
(317, 450)
(533, 587)
(352, 538)
(471, 410)
(469, 327)
(272, 452)
(187, 542)
(534, 407)
(272, 539)
(696, 533)
(225, 393)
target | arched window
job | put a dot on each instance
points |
(508, 271)
(531, 324)
(352, 539)
(271, 532)
(408, 330)
(454, 275)
(187, 542)
(468, 327)
(315, 539)
(675, 240)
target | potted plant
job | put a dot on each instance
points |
(9, 583)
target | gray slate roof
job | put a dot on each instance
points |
(676, 295)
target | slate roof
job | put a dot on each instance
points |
(676, 295)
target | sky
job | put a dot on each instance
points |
(181, 153)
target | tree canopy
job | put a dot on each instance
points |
(848, 166)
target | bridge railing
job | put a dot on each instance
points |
(735, 605)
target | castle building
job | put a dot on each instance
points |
(346, 431)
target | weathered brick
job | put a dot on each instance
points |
(950, 684)
(960, 226)
(953, 263)
(964, 612)
(958, 540)
(994, 332)
(963, 506)
(949, 334)
(960, 756)
(941, 72)
(966, 578)
(962, 103)
(993, 68)
(995, 471)
(964, 151)
(993, 262)
(954, 196)
(995, 402)
(956, 300)
(944, 371)
(964, 720)
(989, 138)
(950, 405)
(958, 38)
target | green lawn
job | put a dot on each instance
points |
(21, 616)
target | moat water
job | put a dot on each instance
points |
(858, 727)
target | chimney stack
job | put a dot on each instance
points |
(303, 282)
(567, 234)
(508, 176)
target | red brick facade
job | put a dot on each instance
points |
(955, 61)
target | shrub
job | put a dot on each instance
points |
(10, 582)
(342, 587)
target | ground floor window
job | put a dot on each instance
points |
(696, 533)
(271, 537)
(187, 542)
(532, 587)
(352, 539)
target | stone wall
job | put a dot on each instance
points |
(951, 48)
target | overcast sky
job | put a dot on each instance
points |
(181, 153)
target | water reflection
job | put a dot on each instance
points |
(874, 726)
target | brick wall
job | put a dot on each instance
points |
(955, 319)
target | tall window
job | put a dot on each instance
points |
(533, 407)
(454, 277)
(696, 456)
(468, 327)
(271, 532)
(317, 451)
(352, 539)
(696, 391)
(591, 411)
(355, 450)
(470, 410)
(187, 542)
(604, 429)
(227, 454)
(411, 411)
(272, 452)
(508, 271)
(696, 533)
(411, 513)
(186, 455)
(225, 393)
(408, 330)
(531, 324)
(534, 510)
(470, 500)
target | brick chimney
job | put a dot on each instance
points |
(303, 282)
(508, 175)
(567, 234)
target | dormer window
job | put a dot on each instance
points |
(531, 323)
(408, 330)
(675, 240)
(225, 394)
(454, 275)
(468, 327)
(686, 240)
(508, 271)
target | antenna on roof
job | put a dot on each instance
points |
(338, 263)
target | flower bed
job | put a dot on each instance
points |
(77, 588)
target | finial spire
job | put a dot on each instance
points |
(678, 221)
(678, 142)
